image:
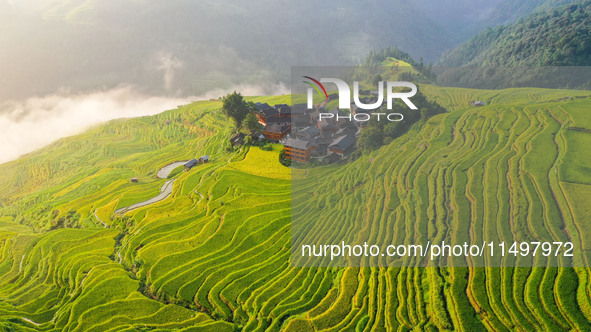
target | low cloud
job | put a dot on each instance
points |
(36, 122)
(31, 124)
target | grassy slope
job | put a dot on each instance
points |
(217, 250)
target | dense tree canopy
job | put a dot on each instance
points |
(371, 138)
(557, 38)
(235, 108)
(251, 122)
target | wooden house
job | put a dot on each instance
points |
(298, 149)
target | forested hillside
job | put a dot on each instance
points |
(556, 38)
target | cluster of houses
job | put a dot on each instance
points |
(276, 120)
(304, 134)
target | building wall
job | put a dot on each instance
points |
(272, 135)
(298, 155)
(262, 120)
(337, 151)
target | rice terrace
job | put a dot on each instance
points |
(214, 255)
(298, 166)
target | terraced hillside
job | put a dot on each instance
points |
(215, 254)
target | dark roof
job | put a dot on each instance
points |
(339, 116)
(268, 112)
(301, 121)
(297, 143)
(344, 131)
(262, 106)
(326, 123)
(343, 143)
(309, 132)
(276, 128)
(276, 119)
(369, 100)
(283, 109)
(206, 157)
(191, 163)
(236, 136)
(299, 108)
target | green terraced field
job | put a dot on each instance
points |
(215, 254)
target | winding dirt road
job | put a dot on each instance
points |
(165, 190)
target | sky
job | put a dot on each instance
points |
(67, 65)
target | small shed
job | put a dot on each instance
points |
(134, 180)
(204, 159)
(237, 139)
(477, 103)
(190, 164)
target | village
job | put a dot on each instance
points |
(306, 135)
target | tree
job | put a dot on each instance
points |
(370, 138)
(251, 122)
(283, 159)
(235, 107)
(393, 129)
(376, 80)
